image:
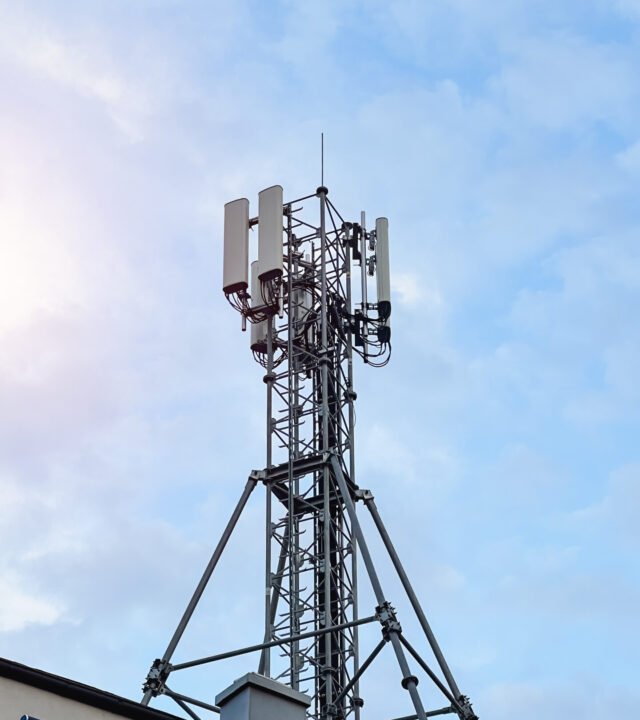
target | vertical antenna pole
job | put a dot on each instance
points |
(294, 309)
(268, 626)
(326, 482)
(322, 159)
(352, 474)
(363, 272)
(363, 261)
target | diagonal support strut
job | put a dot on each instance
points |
(160, 669)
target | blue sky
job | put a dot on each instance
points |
(502, 142)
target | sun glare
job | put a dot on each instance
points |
(36, 271)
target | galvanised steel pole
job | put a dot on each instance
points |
(269, 379)
(352, 473)
(326, 479)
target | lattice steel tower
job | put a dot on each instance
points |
(306, 328)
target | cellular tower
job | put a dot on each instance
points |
(310, 304)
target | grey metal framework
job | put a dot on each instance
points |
(311, 330)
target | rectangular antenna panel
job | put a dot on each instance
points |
(270, 232)
(301, 302)
(258, 330)
(235, 268)
(382, 261)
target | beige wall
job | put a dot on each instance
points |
(17, 699)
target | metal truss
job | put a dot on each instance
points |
(314, 543)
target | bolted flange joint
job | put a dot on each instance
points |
(257, 476)
(387, 617)
(364, 494)
(157, 677)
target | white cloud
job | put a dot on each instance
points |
(615, 514)
(583, 696)
(591, 330)
(629, 158)
(448, 579)
(20, 607)
(630, 8)
(82, 61)
(565, 81)
(408, 287)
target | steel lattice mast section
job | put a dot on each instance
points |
(312, 403)
(305, 333)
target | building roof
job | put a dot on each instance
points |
(80, 693)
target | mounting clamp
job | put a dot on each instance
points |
(332, 711)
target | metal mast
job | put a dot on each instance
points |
(305, 331)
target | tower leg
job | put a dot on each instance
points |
(409, 681)
(162, 666)
(275, 595)
(413, 598)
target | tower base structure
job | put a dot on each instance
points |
(384, 615)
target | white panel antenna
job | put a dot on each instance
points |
(270, 231)
(258, 329)
(382, 268)
(236, 246)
